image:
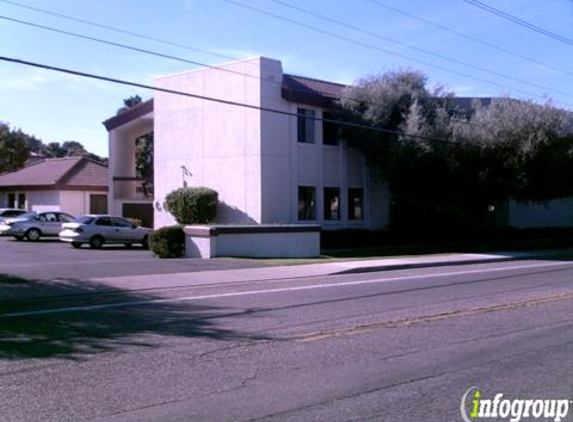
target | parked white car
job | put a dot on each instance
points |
(33, 226)
(97, 230)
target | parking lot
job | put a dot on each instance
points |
(51, 259)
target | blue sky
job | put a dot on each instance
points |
(57, 107)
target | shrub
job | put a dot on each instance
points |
(195, 205)
(168, 242)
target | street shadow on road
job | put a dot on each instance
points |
(78, 333)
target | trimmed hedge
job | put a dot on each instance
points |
(168, 242)
(193, 205)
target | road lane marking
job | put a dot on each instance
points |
(269, 291)
(407, 321)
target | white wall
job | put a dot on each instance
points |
(218, 143)
(557, 213)
(43, 200)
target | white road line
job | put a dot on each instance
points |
(279, 290)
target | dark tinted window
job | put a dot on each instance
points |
(121, 222)
(12, 213)
(103, 221)
(65, 218)
(86, 219)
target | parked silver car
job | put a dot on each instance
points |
(6, 213)
(33, 226)
(97, 230)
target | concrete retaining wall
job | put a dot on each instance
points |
(257, 241)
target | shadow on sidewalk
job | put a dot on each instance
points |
(75, 334)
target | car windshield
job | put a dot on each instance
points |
(27, 215)
(86, 219)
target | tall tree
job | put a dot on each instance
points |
(14, 150)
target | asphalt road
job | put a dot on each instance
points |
(51, 258)
(393, 346)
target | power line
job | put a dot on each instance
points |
(220, 100)
(469, 37)
(129, 47)
(119, 30)
(374, 47)
(413, 47)
(519, 21)
(156, 54)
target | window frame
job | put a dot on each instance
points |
(352, 206)
(306, 212)
(305, 125)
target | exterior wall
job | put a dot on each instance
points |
(558, 213)
(76, 202)
(218, 144)
(121, 143)
(39, 201)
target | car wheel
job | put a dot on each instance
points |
(19, 238)
(145, 242)
(33, 235)
(76, 244)
(96, 242)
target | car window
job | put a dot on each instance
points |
(12, 213)
(51, 217)
(86, 219)
(65, 218)
(41, 217)
(121, 222)
(103, 221)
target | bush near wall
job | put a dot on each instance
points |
(193, 205)
(168, 242)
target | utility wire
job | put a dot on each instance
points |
(118, 30)
(374, 47)
(469, 37)
(129, 47)
(413, 47)
(519, 21)
(220, 100)
(161, 55)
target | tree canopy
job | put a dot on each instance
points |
(447, 162)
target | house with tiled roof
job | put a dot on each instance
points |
(76, 185)
(273, 161)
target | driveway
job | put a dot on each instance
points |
(50, 259)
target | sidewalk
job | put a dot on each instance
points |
(318, 270)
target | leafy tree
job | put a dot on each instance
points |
(14, 150)
(129, 103)
(458, 163)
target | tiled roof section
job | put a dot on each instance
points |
(133, 113)
(87, 173)
(310, 91)
(51, 172)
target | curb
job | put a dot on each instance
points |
(360, 270)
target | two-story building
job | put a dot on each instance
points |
(279, 166)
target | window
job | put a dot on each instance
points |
(17, 200)
(98, 203)
(330, 131)
(103, 221)
(121, 222)
(355, 204)
(305, 125)
(331, 203)
(306, 202)
(65, 218)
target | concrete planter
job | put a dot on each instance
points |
(257, 241)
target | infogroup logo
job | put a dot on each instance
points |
(474, 406)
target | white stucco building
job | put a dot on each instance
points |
(267, 167)
(285, 166)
